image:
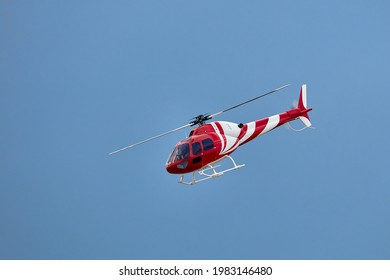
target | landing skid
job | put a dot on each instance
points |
(210, 172)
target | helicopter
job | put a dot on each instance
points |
(210, 144)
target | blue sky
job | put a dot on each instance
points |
(79, 79)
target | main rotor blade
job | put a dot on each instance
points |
(198, 120)
(250, 100)
(149, 139)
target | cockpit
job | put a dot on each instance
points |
(180, 152)
(190, 148)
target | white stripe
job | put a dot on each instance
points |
(273, 121)
(249, 132)
(304, 100)
(219, 135)
(305, 121)
(230, 142)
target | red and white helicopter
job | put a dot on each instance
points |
(211, 143)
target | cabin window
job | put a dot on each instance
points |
(183, 164)
(196, 148)
(183, 152)
(197, 160)
(180, 152)
(208, 144)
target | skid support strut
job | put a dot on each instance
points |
(210, 171)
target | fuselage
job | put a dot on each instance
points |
(211, 142)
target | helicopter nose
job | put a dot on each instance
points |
(178, 167)
(170, 168)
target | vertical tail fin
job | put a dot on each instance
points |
(302, 105)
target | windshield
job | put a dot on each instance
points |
(180, 152)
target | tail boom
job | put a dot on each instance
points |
(232, 135)
(263, 126)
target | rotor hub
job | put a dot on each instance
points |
(200, 119)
